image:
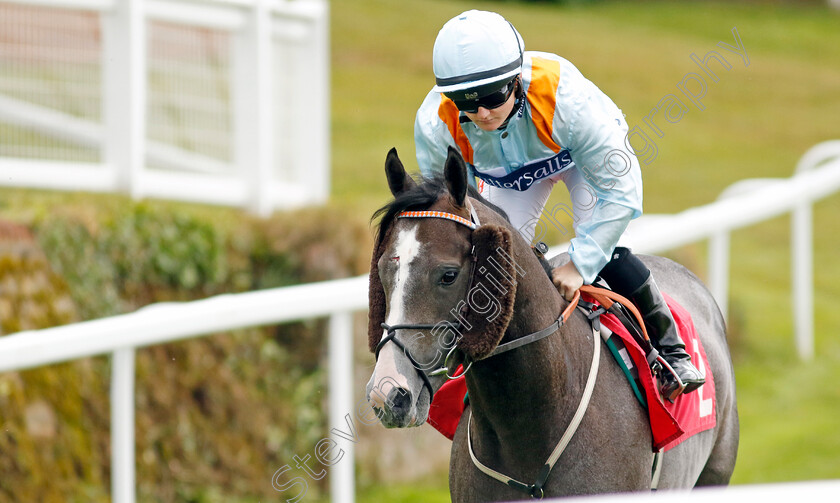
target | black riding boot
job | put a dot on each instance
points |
(662, 330)
(629, 276)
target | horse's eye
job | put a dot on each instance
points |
(449, 277)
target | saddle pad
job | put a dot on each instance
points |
(672, 423)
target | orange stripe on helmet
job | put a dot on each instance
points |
(542, 95)
(449, 114)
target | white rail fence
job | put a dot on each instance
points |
(823, 490)
(747, 202)
(817, 176)
(167, 322)
(212, 101)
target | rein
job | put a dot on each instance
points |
(501, 348)
(528, 339)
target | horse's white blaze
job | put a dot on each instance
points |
(386, 376)
(406, 249)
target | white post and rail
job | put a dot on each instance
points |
(275, 91)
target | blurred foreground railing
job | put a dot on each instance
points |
(822, 490)
(817, 176)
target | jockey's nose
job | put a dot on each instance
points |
(399, 399)
(482, 112)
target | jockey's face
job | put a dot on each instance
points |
(492, 119)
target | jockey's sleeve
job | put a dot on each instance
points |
(596, 238)
(596, 137)
(431, 137)
(428, 153)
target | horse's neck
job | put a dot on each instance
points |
(537, 301)
(531, 386)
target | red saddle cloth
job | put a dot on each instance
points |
(448, 405)
(671, 423)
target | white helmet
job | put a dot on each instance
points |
(474, 49)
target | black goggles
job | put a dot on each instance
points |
(471, 99)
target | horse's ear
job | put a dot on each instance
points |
(455, 173)
(376, 295)
(398, 179)
(493, 292)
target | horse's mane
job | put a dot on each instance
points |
(420, 197)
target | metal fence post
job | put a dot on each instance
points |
(317, 154)
(122, 426)
(802, 251)
(802, 272)
(342, 476)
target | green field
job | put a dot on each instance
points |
(757, 121)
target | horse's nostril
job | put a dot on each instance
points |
(399, 399)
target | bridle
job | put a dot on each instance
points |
(391, 337)
(535, 490)
(473, 223)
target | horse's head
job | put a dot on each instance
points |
(439, 285)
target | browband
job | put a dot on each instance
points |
(472, 224)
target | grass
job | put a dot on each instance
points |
(757, 121)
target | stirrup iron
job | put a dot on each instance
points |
(665, 367)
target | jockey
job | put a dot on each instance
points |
(524, 121)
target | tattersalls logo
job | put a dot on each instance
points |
(523, 178)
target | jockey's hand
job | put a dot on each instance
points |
(567, 279)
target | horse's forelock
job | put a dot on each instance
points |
(421, 197)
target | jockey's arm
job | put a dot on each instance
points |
(590, 249)
(596, 238)
(596, 133)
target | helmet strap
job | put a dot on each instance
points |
(518, 103)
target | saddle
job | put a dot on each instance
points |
(671, 421)
(625, 337)
(597, 299)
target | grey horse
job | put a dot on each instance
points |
(428, 312)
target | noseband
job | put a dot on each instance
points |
(391, 337)
(391, 330)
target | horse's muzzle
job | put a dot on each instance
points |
(397, 410)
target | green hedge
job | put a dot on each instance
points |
(216, 416)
